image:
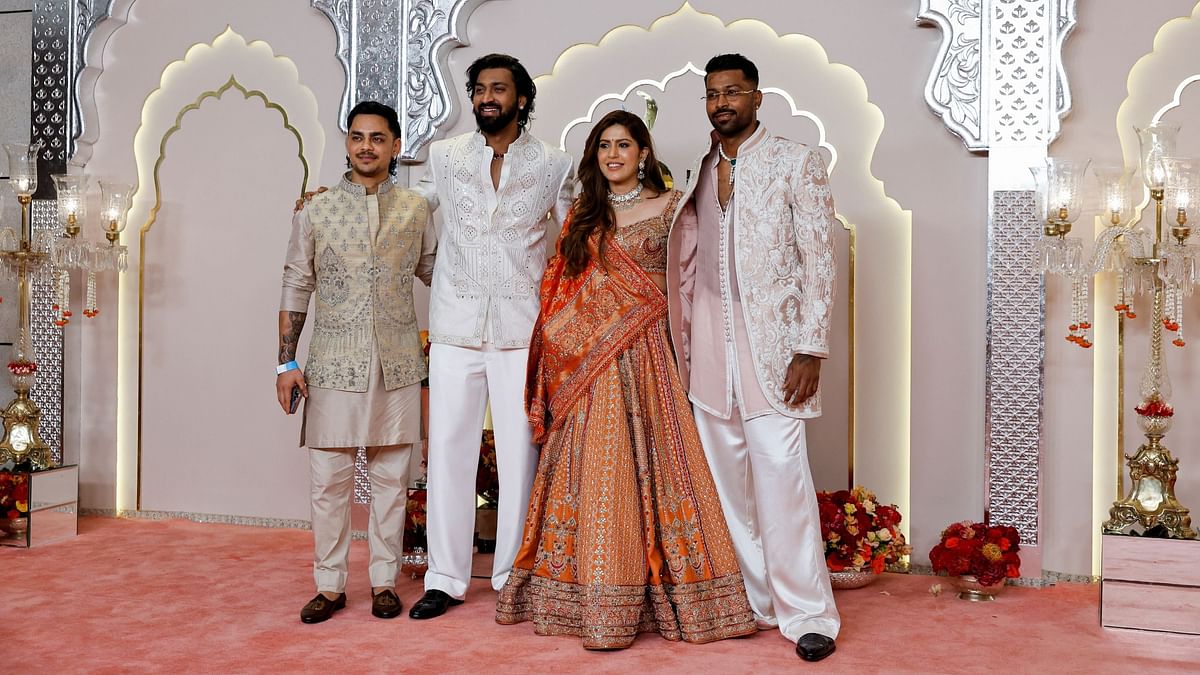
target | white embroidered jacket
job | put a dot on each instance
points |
(491, 241)
(783, 248)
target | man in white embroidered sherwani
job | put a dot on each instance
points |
(358, 247)
(495, 188)
(750, 285)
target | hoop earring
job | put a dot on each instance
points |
(641, 169)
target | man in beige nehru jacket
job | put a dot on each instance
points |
(358, 246)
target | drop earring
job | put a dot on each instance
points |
(641, 169)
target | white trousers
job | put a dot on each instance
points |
(332, 471)
(461, 383)
(761, 470)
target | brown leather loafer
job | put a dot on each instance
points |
(433, 604)
(814, 646)
(385, 604)
(321, 608)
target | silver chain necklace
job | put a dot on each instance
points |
(732, 161)
(624, 202)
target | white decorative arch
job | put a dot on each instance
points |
(1157, 81)
(849, 126)
(205, 71)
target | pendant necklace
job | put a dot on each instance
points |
(624, 202)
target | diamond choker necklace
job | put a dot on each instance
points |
(626, 201)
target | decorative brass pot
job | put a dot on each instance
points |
(969, 588)
(847, 579)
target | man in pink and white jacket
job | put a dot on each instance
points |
(750, 281)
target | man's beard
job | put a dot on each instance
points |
(493, 124)
(731, 127)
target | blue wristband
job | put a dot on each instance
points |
(284, 367)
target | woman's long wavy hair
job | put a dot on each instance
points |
(592, 214)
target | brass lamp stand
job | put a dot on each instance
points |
(50, 256)
(1152, 470)
(1155, 264)
(22, 444)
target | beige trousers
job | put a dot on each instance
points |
(332, 471)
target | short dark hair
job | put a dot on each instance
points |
(521, 78)
(722, 62)
(387, 112)
(383, 110)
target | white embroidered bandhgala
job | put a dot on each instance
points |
(492, 240)
(780, 228)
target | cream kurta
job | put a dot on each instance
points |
(346, 419)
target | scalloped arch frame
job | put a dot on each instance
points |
(205, 71)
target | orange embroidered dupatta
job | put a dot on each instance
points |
(585, 322)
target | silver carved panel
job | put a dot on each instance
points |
(394, 52)
(1015, 355)
(47, 339)
(954, 89)
(1008, 52)
(51, 83)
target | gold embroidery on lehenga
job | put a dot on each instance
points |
(625, 532)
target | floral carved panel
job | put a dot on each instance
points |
(998, 77)
(394, 51)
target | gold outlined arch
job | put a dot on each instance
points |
(216, 94)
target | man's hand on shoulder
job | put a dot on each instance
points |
(803, 376)
(308, 198)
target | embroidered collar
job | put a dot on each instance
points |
(360, 190)
(480, 143)
(748, 145)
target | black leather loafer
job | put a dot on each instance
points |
(432, 605)
(321, 608)
(385, 604)
(814, 646)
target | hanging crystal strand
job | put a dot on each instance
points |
(1169, 293)
(1084, 318)
(63, 307)
(89, 305)
(1129, 291)
(1079, 314)
(1177, 317)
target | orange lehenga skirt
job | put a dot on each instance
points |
(625, 532)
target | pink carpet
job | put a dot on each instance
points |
(177, 596)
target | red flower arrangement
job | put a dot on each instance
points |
(14, 495)
(415, 520)
(22, 367)
(487, 480)
(859, 532)
(1155, 407)
(988, 552)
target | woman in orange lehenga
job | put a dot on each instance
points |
(625, 532)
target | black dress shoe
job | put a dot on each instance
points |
(431, 605)
(385, 604)
(814, 646)
(321, 608)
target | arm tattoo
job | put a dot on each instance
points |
(289, 338)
